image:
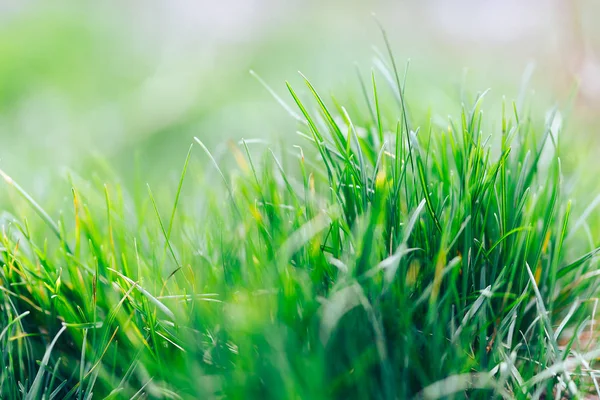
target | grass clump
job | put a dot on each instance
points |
(375, 260)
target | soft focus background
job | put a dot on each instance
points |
(131, 82)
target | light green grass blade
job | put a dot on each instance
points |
(152, 299)
(36, 387)
(36, 207)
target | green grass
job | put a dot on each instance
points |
(384, 256)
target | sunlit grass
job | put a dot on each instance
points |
(379, 259)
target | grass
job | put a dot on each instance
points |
(380, 258)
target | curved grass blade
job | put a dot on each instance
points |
(36, 387)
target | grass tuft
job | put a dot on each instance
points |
(382, 255)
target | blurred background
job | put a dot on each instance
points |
(131, 82)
